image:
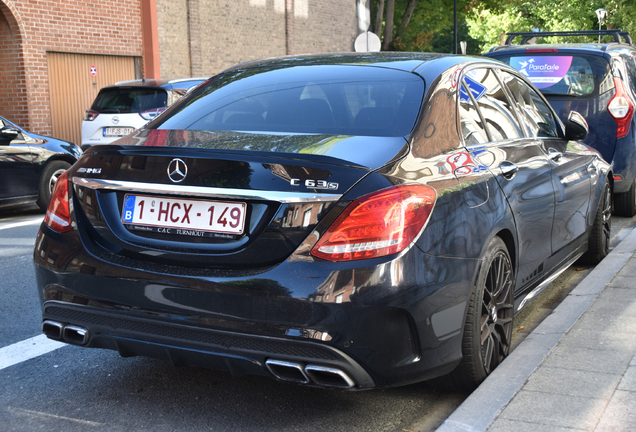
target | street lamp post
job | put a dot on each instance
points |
(601, 14)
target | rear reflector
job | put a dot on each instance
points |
(378, 224)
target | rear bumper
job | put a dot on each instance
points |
(184, 345)
(399, 322)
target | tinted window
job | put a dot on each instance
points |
(535, 113)
(493, 103)
(564, 74)
(342, 100)
(124, 100)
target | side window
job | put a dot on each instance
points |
(630, 65)
(534, 111)
(496, 109)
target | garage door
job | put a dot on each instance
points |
(74, 80)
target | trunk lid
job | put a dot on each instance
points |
(232, 202)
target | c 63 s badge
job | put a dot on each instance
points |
(315, 184)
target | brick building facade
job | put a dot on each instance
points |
(166, 38)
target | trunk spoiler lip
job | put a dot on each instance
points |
(206, 192)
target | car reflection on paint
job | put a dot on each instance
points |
(345, 221)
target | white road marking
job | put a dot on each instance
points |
(53, 416)
(26, 350)
(37, 221)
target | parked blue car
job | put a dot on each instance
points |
(596, 79)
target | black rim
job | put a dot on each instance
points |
(607, 219)
(496, 312)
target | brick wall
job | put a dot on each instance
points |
(77, 26)
(13, 98)
(203, 37)
(172, 21)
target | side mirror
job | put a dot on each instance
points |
(576, 128)
(8, 134)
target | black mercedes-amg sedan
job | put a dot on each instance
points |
(342, 220)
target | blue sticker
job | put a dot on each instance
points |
(476, 88)
(129, 208)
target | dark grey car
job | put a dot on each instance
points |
(352, 221)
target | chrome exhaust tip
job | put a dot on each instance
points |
(52, 329)
(287, 371)
(329, 377)
(75, 335)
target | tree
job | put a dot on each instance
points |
(490, 27)
(417, 25)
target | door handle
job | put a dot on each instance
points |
(554, 154)
(508, 169)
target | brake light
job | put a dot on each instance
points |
(90, 115)
(152, 113)
(58, 214)
(378, 224)
(621, 108)
(542, 50)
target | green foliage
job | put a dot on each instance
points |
(431, 25)
(490, 27)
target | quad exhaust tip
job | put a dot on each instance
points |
(68, 333)
(309, 374)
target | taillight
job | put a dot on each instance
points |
(378, 224)
(58, 214)
(90, 115)
(621, 108)
(152, 113)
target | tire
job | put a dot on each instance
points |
(599, 241)
(489, 320)
(625, 203)
(49, 177)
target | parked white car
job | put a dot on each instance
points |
(122, 108)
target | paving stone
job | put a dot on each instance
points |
(620, 414)
(584, 359)
(555, 410)
(504, 425)
(570, 382)
(628, 382)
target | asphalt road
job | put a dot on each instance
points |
(77, 389)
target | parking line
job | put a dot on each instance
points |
(18, 224)
(26, 350)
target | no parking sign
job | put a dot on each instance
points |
(93, 70)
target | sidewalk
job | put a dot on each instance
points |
(576, 371)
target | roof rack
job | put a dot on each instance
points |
(617, 33)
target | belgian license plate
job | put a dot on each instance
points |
(180, 214)
(118, 131)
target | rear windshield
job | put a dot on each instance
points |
(337, 100)
(123, 100)
(564, 74)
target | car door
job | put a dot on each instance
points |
(493, 135)
(572, 168)
(17, 175)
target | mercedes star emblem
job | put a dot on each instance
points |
(177, 170)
